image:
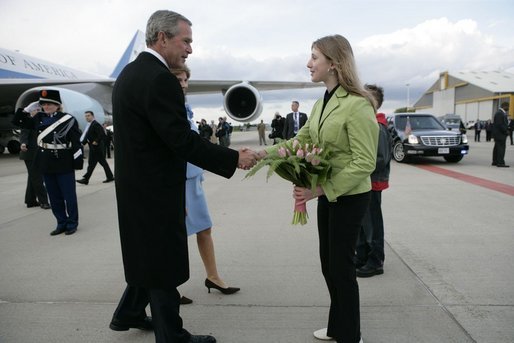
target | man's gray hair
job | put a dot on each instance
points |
(165, 21)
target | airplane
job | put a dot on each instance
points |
(23, 76)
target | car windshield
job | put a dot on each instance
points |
(418, 123)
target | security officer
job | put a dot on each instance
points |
(59, 153)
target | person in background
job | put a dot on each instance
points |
(214, 128)
(511, 129)
(154, 141)
(198, 219)
(488, 130)
(478, 130)
(343, 121)
(108, 140)
(370, 244)
(35, 192)
(58, 155)
(500, 133)
(261, 129)
(205, 130)
(294, 121)
(277, 128)
(94, 136)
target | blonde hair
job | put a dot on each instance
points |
(180, 70)
(338, 51)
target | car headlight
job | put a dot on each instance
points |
(413, 139)
(464, 138)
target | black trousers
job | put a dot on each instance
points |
(97, 155)
(499, 150)
(370, 244)
(164, 304)
(338, 226)
(35, 188)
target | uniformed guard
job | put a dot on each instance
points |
(58, 155)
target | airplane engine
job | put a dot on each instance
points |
(73, 102)
(243, 102)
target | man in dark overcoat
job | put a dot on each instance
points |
(500, 133)
(153, 143)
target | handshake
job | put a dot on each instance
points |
(248, 158)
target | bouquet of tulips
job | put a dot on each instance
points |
(305, 165)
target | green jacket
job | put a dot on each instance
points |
(349, 129)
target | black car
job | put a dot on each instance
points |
(416, 134)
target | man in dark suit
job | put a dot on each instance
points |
(94, 136)
(153, 143)
(500, 133)
(294, 121)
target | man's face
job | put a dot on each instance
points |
(294, 107)
(175, 50)
(89, 117)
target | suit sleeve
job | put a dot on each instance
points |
(168, 118)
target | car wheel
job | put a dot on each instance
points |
(398, 152)
(454, 158)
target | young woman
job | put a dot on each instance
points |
(344, 122)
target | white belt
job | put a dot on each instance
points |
(53, 146)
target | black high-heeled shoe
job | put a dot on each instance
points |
(229, 290)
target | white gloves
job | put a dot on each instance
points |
(33, 106)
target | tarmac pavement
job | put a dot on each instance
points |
(448, 270)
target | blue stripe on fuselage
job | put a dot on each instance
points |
(9, 74)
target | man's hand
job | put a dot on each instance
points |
(33, 107)
(247, 158)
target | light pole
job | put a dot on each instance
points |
(408, 95)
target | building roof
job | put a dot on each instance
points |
(493, 81)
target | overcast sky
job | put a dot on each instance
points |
(395, 42)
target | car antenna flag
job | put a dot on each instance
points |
(408, 128)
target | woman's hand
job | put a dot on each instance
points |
(302, 195)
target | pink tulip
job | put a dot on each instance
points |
(282, 152)
(300, 153)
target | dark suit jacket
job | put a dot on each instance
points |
(153, 142)
(289, 124)
(500, 125)
(95, 133)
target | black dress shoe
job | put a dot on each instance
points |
(108, 180)
(45, 206)
(36, 204)
(229, 290)
(57, 231)
(368, 271)
(70, 231)
(202, 339)
(502, 166)
(83, 181)
(141, 324)
(185, 300)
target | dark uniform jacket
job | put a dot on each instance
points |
(153, 142)
(49, 160)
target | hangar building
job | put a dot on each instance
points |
(473, 95)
